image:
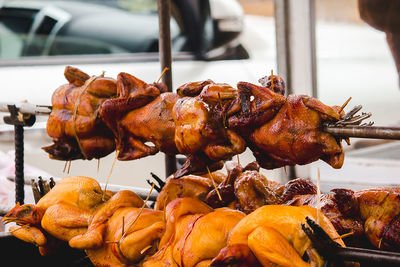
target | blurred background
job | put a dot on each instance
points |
(223, 40)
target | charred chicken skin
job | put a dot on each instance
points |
(195, 233)
(274, 236)
(74, 123)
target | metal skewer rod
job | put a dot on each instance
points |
(364, 132)
(369, 255)
(26, 108)
(164, 20)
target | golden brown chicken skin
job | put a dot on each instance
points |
(201, 128)
(141, 113)
(295, 136)
(273, 233)
(195, 233)
(74, 124)
(380, 210)
(186, 186)
(63, 213)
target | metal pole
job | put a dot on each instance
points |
(164, 45)
(19, 164)
(295, 46)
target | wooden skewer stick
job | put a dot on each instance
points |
(344, 235)
(215, 186)
(162, 74)
(65, 166)
(272, 80)
(109, 175)
(69, 166)
(137, 216)
(344, 105)
(145, 249)
(318, 195)
(123, 225)
(98, 165)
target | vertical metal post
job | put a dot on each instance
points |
(19, 164)
(164, 45)
(296, 55)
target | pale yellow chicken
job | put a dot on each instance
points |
(274, 235)
(109, 229)
(195, 233)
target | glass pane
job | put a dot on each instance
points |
(50, 28)
(354, 59)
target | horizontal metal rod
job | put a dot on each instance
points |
(364, 132)
(368, 255)
(27, 108)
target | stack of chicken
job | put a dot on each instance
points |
(237, 219)
(118, 229)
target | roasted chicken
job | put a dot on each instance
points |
(295, 136)
(380, 211)
(111, 228)
(195, 233)
(207, 122)
(141, 113)
(74, 123)
(273, 234)
(187, 186)
(200, 125)
(341, 208)
(64, 212)
(120, 233)
(246, 187)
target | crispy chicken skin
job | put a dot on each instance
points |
(200, 126)
(380, 209)
(195, 233)
(341, 208)
(278, 225)
(247, 186)
(64, 212)
(76, 211)
(207, 122)
(186, 186)
(295, 136)
(74, 125)
(141, 113)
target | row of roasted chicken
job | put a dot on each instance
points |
(184, 230)
(206, 121)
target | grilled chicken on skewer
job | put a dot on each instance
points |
(207, 122)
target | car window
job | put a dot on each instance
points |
(51, 28)
(34, 29)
